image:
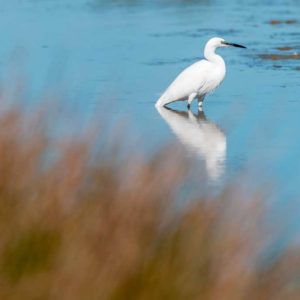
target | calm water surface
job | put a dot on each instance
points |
(114, 58)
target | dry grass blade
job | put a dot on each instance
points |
(75, 227)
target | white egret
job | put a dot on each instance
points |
(200, 78)
(200, 137)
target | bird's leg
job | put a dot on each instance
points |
(190, 99)
(200, 102)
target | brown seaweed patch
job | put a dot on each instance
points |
(280, 56)
(286, 48)
(291, 22)
(277, 22)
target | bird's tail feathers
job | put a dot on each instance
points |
(163, 100)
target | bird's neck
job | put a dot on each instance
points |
(211, 55)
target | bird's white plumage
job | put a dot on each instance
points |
(185, 83)
(198, 79)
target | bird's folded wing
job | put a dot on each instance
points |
(187, 82)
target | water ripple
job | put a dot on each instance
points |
(160, 62)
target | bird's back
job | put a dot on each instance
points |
(189, 81)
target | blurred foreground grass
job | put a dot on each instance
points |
(79, 226)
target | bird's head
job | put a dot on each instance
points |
(217, 42)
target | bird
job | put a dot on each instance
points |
(200, 137)
(200, 78)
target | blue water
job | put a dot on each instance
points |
(112, 59)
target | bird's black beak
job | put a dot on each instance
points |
(234, 45)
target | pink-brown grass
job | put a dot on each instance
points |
(80, 225)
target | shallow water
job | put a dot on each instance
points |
(114, 58)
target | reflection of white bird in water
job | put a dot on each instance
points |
(200, 78)
(200, 136)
